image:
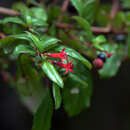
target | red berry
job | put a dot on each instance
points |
(98, 63)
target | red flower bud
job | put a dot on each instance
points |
(98, 63)
(109, 54)
(63, 56)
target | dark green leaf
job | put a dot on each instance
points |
(13, 20)
(127, 18)
(69, 41)
(39, 13)
(8, 43)
(56, 95)
(18, 6)
(39, 16)
(90, 10)
(43, 115)
(85, 25)
(26, 14)
(119, 19)
(48, 43)
(53, 13)
(23, 36)
(52, 74)
(111, 67)
(44, 44)
(24, 49)
(76, 97)
(35, 40)
(102, 12)
(78, 5)
(76, 78)
(128, 42)
(27, 72)
(126, 3)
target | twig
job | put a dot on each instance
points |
(115, 7)
(55, 2)
(94, 29)
(73, 37)
(85, 43)
(63, 9)
(8, 12)
(108, 28)
(77, 39)
(64, 25)
(65, 5)
(101, 30)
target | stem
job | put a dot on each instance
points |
(63, 9)
(55, 2)
(9, 12)
(108, 28)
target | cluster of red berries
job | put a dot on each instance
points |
(100, 59)
(63, 56)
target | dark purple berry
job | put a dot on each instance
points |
(120, 38)
(102, 56)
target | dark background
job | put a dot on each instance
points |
(110, 106)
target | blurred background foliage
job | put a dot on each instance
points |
(85, 28)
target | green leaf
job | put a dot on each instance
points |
(24, 49)
(53, 13)
(126, 3)
(18, 6)
(97, 42)
(99, 47)
(128, 42)
(76, 97)
(71, 52)
(99, 39)
(119, 19)
(89, 10)
(101, 18)
(13, 20)
(76, 78)
(23, 36)
(43, 115)
(44, 44)
(52, 74)
(35, 40)
(33, 84)
(86, 26)
(38, 16)
(48, 43)
(78, 5)
(39, 13)
(111, 67)
(56, 95)
(69, 41)
(8, 43)
(26, 14)
(127, 18)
